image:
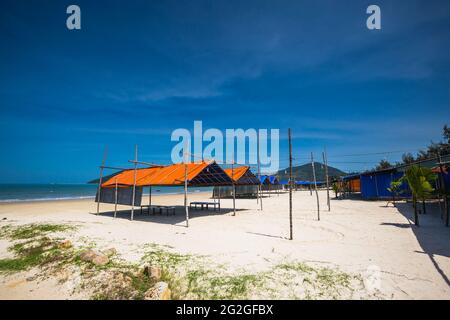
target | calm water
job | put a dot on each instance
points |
(41, 192)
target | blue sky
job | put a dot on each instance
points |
(139, 69)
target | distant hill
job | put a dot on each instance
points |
(304, 172)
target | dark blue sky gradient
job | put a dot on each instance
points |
(139, 69)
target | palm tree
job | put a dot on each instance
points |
(419, 181)
(336, 188)
(395, 189)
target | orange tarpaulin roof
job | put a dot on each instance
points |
(236, 173)
(445, 168)
(171, 175)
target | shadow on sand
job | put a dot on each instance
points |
(432, 235)
(266, 235)
(163, 218)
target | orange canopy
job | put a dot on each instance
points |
(236, 173)
(242, 175)
(201, 173)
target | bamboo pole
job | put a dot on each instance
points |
(315, 186)
(115, 201)
(134, 181)
(325, 161)
(149, 199)
(290, 185)
(218, 191)
(113, 168)
(146, 163)
(185, 194)
(99, 191)
(444, 193)
(234, 187)
(259, 178)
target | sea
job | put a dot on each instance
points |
(47, 192)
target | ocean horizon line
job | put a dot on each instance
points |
(59, 192)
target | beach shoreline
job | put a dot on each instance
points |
(91, 198)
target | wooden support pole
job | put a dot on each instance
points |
(259, 178)
(290, 185)
(444, 193)
(325, 162)
(99, 191)
(149, 198)
(113, 168)
(115, 200)
(146, 163)
(186, 208)
(315, 186)
(134, 181)
(218, 191)
(234, 187)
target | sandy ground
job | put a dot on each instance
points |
(354, 236)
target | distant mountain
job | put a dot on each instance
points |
(304, 172)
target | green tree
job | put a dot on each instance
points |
(336, 188)
(384, 164)
(419, 180)
(395, 189)
(435, 148)
(407, 158)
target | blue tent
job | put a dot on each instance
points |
(266, 179)
(308, 183)
(263, 179)
(273, 180)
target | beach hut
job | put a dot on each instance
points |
(269, 183)
(245, 183)
(198, 174)
(443, 186)
(284, 184)
(264, 180)
(374, 185)
(352, 183)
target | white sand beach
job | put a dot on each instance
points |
(356, 235)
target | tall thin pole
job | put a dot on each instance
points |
(444, 193)
(325, 161)
(99, 191)
(259, 177)
(115, 201)
(290, 185)
(218, 192)
(187, 159)
(134, 180)
(185, 194)
(234, 186)
(149, 198)
(315, 186)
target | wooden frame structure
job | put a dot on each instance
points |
(195, 174)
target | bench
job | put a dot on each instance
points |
(154, 208)
(202, 205)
